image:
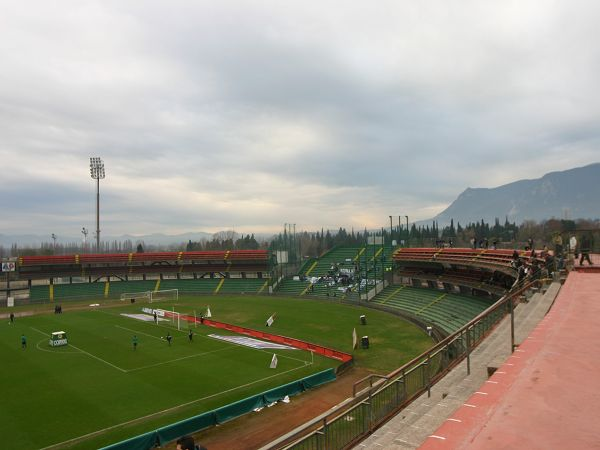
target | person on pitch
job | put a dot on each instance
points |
(169, 338)
(134, 341)
(190, 335)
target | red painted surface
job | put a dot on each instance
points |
(547, 394)
(296, 343)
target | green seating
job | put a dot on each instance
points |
(447, 311)
(243, 286)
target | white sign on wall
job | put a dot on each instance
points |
(8, 266)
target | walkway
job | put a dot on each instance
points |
(412, 426)
(547, 394)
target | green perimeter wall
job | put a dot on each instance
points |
(62, 292)
(225, 413)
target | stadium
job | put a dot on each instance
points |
(230, 280)
(226, 343)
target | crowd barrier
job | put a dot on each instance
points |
(221, 415)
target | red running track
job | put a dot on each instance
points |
(547, 394)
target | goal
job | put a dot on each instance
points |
(136, 295)
(166, 294)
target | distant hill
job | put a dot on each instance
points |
(573, 194)
(150, 239)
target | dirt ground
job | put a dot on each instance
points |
(255, 430)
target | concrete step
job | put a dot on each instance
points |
(415, 423)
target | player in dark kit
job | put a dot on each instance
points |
(190, 335)
(134, 341)
(23, 342)
(169, 338)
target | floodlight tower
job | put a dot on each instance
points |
(97, 173)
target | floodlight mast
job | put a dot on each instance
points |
(97, 173)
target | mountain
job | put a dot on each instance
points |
(149, 239)
(571, 194)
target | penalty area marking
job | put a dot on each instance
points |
(232, 344)
(166, 411)
(178, 359)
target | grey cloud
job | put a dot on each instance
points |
(209, 115)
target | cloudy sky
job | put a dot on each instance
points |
(251, 114)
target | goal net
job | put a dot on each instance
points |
(136, 295)
(166, 294)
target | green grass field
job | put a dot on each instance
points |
(99, 385)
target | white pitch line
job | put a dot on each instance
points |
(165, 411)
(86, 353)
(139, 332)
(177, 359)
(98, 358)
(306, 363)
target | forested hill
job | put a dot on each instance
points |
(571, 194)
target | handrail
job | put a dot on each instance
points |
(468, 334)
(370, 379)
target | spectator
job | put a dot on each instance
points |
(573, 245)
(585, 248)
(558, 244)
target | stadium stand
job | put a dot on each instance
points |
(448, 312)
(108, 275)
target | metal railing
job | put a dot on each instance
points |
(386, 395)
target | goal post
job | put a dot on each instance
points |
(136, 295)
(165, 294)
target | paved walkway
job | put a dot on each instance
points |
(546, 395)
(412, 426)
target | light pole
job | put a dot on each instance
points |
(97, 173)
(391, 232)
(85, 232)
(54, 239)
(407, 232)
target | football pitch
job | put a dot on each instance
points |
(99, 389)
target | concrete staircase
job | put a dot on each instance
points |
(413, 425)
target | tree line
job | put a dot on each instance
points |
(314, 243)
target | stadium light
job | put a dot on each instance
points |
(85, 232)
(97, 173)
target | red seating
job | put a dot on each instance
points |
(499, 259)
(106, 264)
